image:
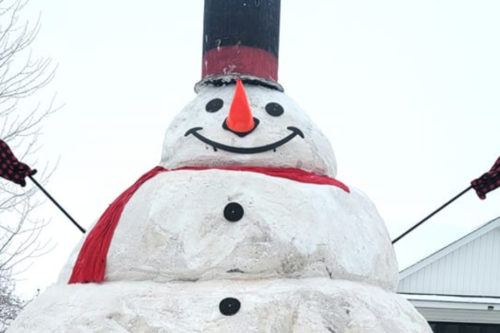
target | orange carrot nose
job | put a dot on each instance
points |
(240, 117)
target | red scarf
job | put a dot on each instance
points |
(91, 262)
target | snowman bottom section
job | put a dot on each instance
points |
(277, 305)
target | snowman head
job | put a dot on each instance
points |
(241, 124)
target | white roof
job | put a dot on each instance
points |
(469, 266)
(485, 310)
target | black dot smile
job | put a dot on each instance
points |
(244, 150)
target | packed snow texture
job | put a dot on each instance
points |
(312, 153)
(174, 228)
(302, 258)
(312, 305)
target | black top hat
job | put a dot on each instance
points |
(241, 40)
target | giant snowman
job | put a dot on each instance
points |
(243, 226)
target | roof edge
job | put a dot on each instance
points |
(471, 236)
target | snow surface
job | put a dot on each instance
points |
(302, 258)
(271, 305)
(313, 153)
(174, 229)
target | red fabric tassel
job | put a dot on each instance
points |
(91, 262)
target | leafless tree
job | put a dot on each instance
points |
(21, 75)
(10, 303)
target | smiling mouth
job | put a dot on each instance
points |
(244, 150)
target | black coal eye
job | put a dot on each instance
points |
(274, 109)
(214, 105)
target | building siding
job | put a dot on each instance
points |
(471, 269)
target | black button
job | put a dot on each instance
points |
(233, 212)
(229, 306)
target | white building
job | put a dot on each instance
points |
(457, 289)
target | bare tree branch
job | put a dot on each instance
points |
(21, 76)
(11, 304)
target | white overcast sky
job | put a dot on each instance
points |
(407, 92)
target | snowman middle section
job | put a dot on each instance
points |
(219, 224)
